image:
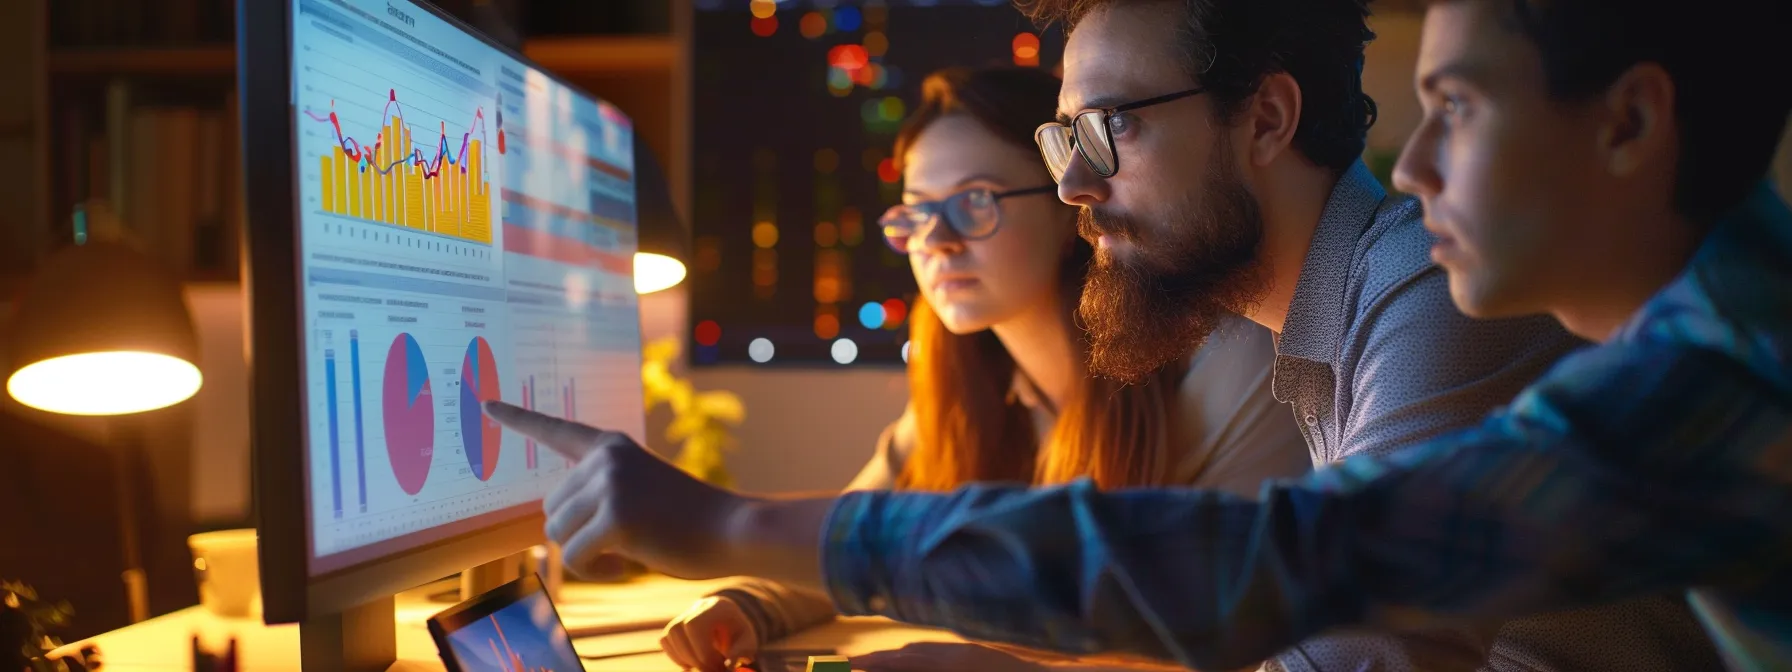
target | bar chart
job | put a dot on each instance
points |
(354, 358)
(431, 184)
(338, 433)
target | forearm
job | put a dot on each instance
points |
(777, 539)
(777, 610)
(1074, 570)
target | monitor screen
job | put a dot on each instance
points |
(466, 232)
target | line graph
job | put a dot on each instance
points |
(393, 180)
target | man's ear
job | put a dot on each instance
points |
(1272, 119)
(1638, 127)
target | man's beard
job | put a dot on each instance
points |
(1182, 279)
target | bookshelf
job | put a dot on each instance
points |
(85, 98)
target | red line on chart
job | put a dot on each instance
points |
(360, 152)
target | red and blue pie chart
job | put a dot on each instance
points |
(478, 384)
(408, 413)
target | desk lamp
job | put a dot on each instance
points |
(100, 330)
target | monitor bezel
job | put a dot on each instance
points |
(271, 285)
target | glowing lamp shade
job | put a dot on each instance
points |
(661, 236)
(654, 272)
(101, 330)
(105, 383)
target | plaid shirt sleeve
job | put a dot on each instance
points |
(1631, 469)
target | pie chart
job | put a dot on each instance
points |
(479, 383)
(408, 413)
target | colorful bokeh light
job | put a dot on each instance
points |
(848, 56)
(891, 109)
(886, 171)
(765, 234)
(827, 326)
(1026, 45)
(876, 44)
(839, 81)
(708, 332)
(895, 311)
(871, 315)
(847, 19)
(852, 226)
(845, 351)
(813, 25)
(761, 350)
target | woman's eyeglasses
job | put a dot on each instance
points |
(1090, 135)
(973, 215)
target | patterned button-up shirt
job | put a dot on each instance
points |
(1374, 357)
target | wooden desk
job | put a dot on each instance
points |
(164, 644)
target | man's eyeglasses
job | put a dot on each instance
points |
(973, 215)
(1090, 135)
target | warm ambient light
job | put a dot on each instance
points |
(105, 383)
(654, 272)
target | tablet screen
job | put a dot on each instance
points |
(523, 635)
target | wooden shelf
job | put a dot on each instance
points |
(218, 60)
(619, 55)
(565, 56)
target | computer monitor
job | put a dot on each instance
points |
(433, 221)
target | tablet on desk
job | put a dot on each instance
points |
(512, 627)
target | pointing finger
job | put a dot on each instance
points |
(565, 437)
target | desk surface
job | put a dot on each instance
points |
(164, 644)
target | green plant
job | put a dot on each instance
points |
(702, 422)
(25, 625)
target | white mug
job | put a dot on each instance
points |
(228, 571)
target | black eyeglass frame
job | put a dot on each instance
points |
(938, 209)
(1076, 135)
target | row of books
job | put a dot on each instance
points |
(112, 23)
(169, 174)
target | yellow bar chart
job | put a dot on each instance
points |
(391, 183)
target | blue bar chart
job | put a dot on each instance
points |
(354, 363)
(335, 436)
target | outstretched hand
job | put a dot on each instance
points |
(621, 498)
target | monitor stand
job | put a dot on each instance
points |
(488, 576)
(361, 639)
(365, 638)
